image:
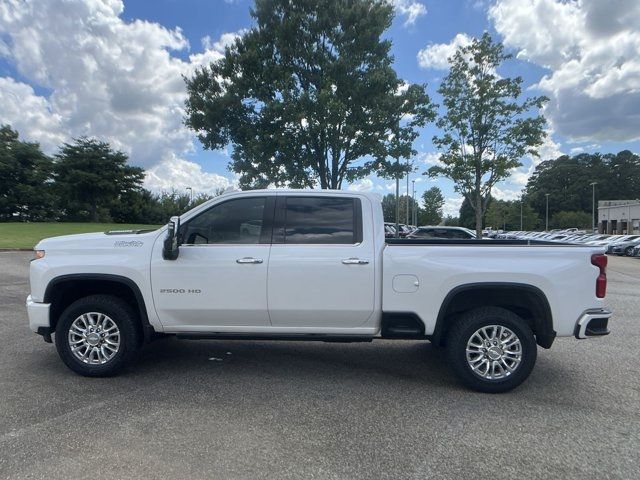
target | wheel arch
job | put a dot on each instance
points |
(527, 301)
(65, 289)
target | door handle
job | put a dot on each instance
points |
(249, 260)
(354, 261)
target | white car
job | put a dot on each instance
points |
(318, 269)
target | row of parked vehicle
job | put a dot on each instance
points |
(442, 232)
(628, 245)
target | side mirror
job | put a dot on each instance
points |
(170, 248)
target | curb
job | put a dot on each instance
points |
(16, 249)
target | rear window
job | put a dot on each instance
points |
(327, 220)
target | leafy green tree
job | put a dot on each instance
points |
(90, 179)
(486, 130)
(496, 214)
(25, 179)
(578, 219)
(466, 215)
(568, 180)
(450, 221)
(389, 207)
(309, 96)
(431, 212)
(143, 206)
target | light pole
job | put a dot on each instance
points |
(546, 223)
(593, 206)
(406, 217)
(398, 197)
(190, 194)
(413, 203)
(521, 213)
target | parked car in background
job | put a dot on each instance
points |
(625, 247)
(389, 231)
(460, 233)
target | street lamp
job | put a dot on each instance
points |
(413, 203)
(406, 218)
(398, 197)
(593, 206)
(521, 199)
(546, 223)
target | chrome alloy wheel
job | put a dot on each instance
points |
(94, 338)
(494, 352)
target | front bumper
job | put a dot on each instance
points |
(38, 316)
(593, 323)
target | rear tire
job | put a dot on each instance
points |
(628, 251)
(97, 336)
(491, 349)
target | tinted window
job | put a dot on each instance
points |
(320, 220)
(235, 221)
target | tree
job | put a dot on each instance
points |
(91, 177)
(389, 207)
(25, 179)
(466, 215)
(486, 132)
(568, 180)
(431, 212)
(309, 96)
(450, 221)
(571, 219)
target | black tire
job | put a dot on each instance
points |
(120, 313)
(628, 251)
(463, 330)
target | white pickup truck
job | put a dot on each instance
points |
(314, 266)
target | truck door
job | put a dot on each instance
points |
(321, 267)
(220, 276)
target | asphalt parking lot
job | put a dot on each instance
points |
(279, 410)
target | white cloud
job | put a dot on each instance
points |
(437, 55)
(430, 159)
(592, 49)
(101, 77)
(180, 174)
(29, 114)
(549, 150)
(410, 9)
(364, 185)
(506, 193)
(452, 206)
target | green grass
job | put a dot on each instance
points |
(26, 235)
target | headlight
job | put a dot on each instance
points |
(38, 254)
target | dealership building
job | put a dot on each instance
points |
(619, 216)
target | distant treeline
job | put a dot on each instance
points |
(85, 181)
(568, 181)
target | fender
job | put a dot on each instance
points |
(147, 329)
(543, 318)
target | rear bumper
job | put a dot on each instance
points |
(38, 315)
(593, 323)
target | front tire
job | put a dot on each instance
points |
(629, 251)
(97, 336)
(491, 349)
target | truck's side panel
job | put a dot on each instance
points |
(563, 273)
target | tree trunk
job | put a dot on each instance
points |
(94, 213)
(478, 215)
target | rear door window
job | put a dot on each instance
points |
(321, 220)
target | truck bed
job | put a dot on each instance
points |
(456, 241)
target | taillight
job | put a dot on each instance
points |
(600, 261)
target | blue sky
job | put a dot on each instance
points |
(113, 70)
